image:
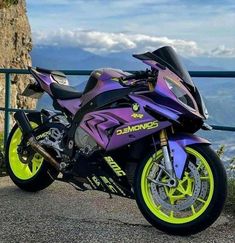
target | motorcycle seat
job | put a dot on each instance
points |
(64, 92)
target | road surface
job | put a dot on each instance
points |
(62, 214)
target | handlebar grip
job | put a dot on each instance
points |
(137, 75)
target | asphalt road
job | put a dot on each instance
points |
(62, 214)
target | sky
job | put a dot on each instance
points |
(192, 27)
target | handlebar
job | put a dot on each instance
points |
(149, 75)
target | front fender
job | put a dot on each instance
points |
(177, 144)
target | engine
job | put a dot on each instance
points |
(85, 142)
(54, 138)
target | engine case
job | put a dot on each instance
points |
(84, 141)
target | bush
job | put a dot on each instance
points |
(8, 3)
(230, 204)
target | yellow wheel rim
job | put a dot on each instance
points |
(183, 191)
(20, 170)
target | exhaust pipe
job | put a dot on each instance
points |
(27, 131)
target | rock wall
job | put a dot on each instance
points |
(15, 45)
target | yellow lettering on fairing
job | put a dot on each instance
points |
(42, 135)
(116, 168)
(137, 115)
(135, 128)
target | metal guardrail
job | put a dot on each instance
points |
(7, 108)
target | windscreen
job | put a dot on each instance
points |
(167, 57)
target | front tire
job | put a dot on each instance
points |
(33, 176)
(197, 200)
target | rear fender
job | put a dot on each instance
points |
(177, 144)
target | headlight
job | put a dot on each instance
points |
(181, 94)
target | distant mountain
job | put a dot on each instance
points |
(222, 63)
(54, 57)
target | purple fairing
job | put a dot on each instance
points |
(163, 90)
(71, 105)
(45, 80)
(177, 144)
(162, 110)
(99, 123)
(107, 81)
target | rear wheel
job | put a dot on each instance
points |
(30, 173)
(196, 201)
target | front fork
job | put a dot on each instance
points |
(167, 158)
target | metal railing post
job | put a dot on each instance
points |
(7, 106)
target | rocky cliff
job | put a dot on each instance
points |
(15, 45)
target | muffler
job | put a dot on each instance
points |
(27, 131)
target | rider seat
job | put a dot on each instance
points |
(60, 90)
(64, 92)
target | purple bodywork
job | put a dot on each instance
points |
(115, 127)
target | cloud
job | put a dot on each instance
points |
(104, 42)
(223, 51)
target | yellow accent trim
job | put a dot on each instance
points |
(19, 169)
(95, 180)
(151, 86)
(108, 184)
(181, 190)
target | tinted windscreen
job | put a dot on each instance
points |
(167, 57)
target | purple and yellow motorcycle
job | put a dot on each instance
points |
(128, 134)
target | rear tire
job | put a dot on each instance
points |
(34, 177)
(204, 210)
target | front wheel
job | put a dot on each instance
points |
(191, 206)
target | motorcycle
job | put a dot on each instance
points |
(127, 134)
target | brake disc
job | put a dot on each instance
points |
(183, 195)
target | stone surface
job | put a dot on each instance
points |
(15, 45)
(61, 214)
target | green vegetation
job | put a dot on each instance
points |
(230, 204)
(221, 150)
(8, 3)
